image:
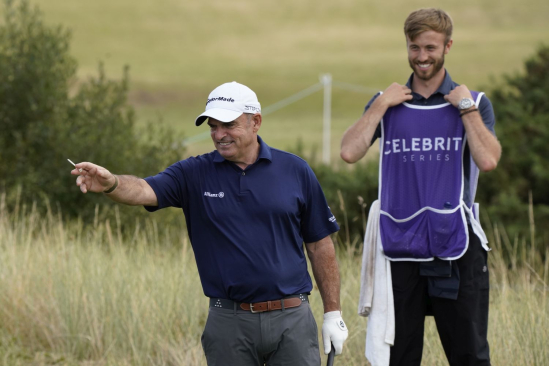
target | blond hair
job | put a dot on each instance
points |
(423, 20)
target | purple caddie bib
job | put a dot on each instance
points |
(421, 183)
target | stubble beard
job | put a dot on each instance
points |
(437, 66)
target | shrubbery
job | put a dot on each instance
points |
(349, 193)
(522, 125)
(47, 116)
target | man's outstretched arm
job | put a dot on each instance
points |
(125, 189)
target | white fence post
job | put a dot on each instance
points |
(326, 80)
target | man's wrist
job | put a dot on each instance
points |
(114, 186)
(333, 314)
(381, 101)
(465, 104)
(332, 306)
(470, 110)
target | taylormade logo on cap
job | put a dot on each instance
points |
(227, 102)
(220, 98)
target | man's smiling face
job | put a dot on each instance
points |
(235, 140)
(426, 54)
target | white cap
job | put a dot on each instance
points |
(227, 102)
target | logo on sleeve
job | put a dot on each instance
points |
(332, 219)
(214, 195)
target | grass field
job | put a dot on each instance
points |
(76, 294)
(179, 51)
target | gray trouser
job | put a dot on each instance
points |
(282, 337)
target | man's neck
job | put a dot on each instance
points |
(250, 158)
(426, 88)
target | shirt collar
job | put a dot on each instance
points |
(264, 152)
(444, 88)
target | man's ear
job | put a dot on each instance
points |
(448, 46)
(256, 120)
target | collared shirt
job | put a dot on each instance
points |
(247, 227)
(485, 109)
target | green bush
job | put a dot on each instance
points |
(47, 116)
(349, 190)
(522, 115)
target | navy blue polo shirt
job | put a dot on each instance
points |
(247, 227)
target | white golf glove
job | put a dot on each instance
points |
(334, 331)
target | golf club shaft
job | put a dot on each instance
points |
(331, 356)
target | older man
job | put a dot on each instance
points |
(249, 208)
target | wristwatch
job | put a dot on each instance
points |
(466, 103)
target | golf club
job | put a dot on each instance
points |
(331, 356)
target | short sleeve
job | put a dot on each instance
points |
(169, 186)
(317, 218)
(487, 114)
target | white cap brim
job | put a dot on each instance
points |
(223, 115)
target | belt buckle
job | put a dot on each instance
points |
(252, 309)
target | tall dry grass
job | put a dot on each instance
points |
(79, 294)
(84, 294)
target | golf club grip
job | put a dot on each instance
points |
(331, 356)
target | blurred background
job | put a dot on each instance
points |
(178, 51)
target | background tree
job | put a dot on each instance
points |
(47, 116)
(522, 125)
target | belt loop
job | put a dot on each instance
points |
(282, 304)
(234, 308)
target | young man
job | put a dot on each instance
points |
(248, 209)
(435, 135)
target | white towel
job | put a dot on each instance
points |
(376, 294)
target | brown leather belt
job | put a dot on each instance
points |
(260, 307)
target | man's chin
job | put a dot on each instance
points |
(424, 75)
(224, 152)
(428, 74)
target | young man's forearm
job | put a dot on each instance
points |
(485, 148)
(358, 138)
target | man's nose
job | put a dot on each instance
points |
(219, 133)
(423, 55)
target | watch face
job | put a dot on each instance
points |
(465, 103)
